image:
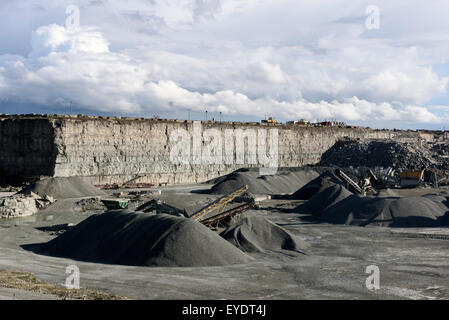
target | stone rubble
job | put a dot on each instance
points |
(401, 156)
(23, 205)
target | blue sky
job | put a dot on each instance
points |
(289, 59)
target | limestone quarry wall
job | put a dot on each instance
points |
(114, 150)
(26, 148)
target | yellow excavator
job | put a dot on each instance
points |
(270, 120)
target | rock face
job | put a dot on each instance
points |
(28, 148)
(114, 150)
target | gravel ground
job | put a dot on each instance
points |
(412, 263)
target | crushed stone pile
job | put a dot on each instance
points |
(143, 239)
(255, 233)
(61, 188)
(425, 211)
(324, 200)
(380, 153)
(317, 185)
(284, 181)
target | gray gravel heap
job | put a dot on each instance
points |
(255, 233)
(284, 181)
(425, 211)
(61, 188)
(143, 239)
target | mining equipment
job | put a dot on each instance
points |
(269, 120)
(218, 206)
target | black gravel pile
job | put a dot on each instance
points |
(317, 185)
(143, 239)
(284, 181)
(377, 153)
(425, 211)
(255, 233)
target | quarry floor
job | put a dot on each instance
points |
(413, 263)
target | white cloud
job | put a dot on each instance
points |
(54, 38)
(314, 61)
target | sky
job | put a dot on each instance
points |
(381, 64)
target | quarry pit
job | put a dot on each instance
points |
(288, 246)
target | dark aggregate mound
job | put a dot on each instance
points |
(324, 200)
(255, 233)
(387, 193)
(379, 153)
(425, 211)
(284, 181)
(60, 188)
(317, 185)
(143, 239)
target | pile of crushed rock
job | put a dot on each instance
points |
(286, 180)
(62, 188)
(330, 202)
(407, 212)
(160, 240)
(255, 233)
(381, 153)
(144, 239)
(23, 205)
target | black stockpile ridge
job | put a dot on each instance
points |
(143, 239)
(425, 211)
(385, 153)
(317, 185)
(284, 181)
(255, 233)
(324, 200)
(61, 188)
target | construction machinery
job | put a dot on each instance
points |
(126, 184)
(436, 176)
(300, 122)
(212, 221)
(411, 178)
(121, 185)
(373, 178)
(270, 120)
(112, 204)
(218, 219)
(351, 185)
(218, 205)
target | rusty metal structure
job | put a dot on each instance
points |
(219, 205)
(218, 219)
(349, 182)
